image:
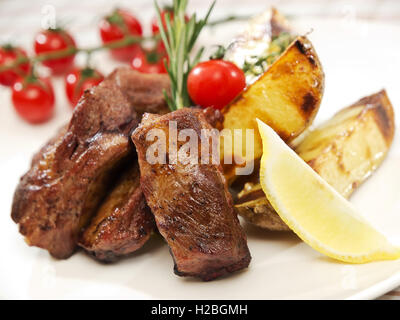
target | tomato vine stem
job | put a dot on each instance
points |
(127, 40)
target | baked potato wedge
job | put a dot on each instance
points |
(257, 40)
(344, 151)
(286, 97)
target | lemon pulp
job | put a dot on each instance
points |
(318, 214)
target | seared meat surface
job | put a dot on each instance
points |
(123, 222)
(84, 185)
(67, 179)
(143, 91)
(191, 203)
(71, 175)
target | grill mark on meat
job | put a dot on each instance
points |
(51, 198)
(123, 223)
(142, 91)
(191, 204)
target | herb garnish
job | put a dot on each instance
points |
(278, 45)
(179, 37)
(219, 53)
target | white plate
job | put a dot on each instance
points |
(359, 59)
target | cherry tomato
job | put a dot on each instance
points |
(148, 62)
(33, 99)
(114, 27)
(79, 80)
(8, 54)
(55, 40)
(215, 83)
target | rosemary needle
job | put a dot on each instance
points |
(179, 37)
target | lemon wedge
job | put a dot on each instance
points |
(315, 211)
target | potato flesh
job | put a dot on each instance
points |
(344, 151)
(286, 97)
(346, 154)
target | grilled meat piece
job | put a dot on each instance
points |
(71, 175)
(214, 117)
(191, 203)
(123, 223)
(143, 91)
(55, 198)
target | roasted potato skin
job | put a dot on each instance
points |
(344, 151)
(255, 208)
(348, 148)
(256, 38)
(286, 97)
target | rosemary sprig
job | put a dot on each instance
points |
(121, 43)
(179, 37)
(219, 53)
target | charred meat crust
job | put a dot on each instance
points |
(191, 204)
(70, 176)
(123, 223)
(67, 175)
(143, 91)
(214, 117)
(209, 274)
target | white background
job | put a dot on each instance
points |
(358, 43)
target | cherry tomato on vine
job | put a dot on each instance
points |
(117, 25)
(215, 83)
(52, 40)
(79, 80)
(8, 54)
(33, 99)
(148, 62)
